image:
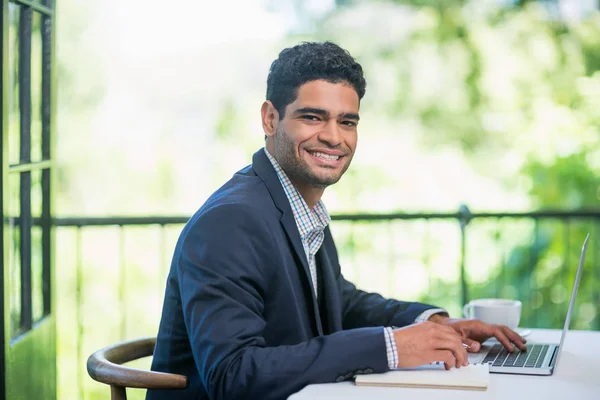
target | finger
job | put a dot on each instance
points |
(449, 339)
(463, 358)
(515, 338)
(502, 338)
(457, 349)
(444, 356)
(474, 346)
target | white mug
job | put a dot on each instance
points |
(494, 311)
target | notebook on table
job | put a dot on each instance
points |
(471, 377)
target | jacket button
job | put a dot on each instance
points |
(360, 371)
(349, 375)
(368, 371)
(339, 378)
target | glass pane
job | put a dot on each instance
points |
(36, 193)
(37, 256)
(14, 259)
(46, 73)
(36, 87)
(46, 225)
(13, 84)
(37, 287)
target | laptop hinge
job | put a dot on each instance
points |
(553, 359)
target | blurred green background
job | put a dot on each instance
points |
(492, 104)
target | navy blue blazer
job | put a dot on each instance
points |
(240, 317)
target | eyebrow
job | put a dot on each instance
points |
(353, 116)
(320, 111)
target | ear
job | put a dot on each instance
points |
(270, 118)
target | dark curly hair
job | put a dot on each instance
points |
(310, 61)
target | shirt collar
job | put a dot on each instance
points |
(306, 219)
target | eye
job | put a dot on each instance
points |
(310, 117)
(349, 123)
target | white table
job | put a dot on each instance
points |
(576, 377)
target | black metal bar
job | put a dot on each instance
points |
(79, 305)
(565, 270)
(162, 257)
(401, 216)
(122, 284)
(25, 156)
(33, 5)
(392, 259)
(119, 221)
(596, 268)
(351, 245)
(463, 251)
(533, 261)
(464, 217)
(559, 214)
(175, 220)
(426, 259)
(497, 284)
(46, 113)
(3, 317)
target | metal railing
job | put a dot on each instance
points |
(528, 260)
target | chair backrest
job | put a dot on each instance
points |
(105, 366)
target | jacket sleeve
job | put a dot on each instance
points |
(223, 270)
(362, 309)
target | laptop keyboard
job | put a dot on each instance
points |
(532, 358)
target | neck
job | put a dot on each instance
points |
(310, 194)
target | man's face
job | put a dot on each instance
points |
(315, 141)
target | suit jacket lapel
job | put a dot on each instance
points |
(264, 170)
(289, 225)
(331, 302)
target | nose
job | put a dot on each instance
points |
(331, 134)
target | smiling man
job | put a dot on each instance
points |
(256, 306)
(315, 142)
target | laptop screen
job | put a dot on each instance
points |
(573, 295)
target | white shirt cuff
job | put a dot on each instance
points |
(425, 315)
(390, 347)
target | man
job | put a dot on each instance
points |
(256, 306)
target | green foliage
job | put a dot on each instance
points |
(567, 183)
(226, 125)
(503, 84)
(513, 91)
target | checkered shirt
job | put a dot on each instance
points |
(311, 223)
(311, 226)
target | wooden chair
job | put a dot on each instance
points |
(105, 366)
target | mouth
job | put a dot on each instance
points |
(326, 159)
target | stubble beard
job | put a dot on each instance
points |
(297, 169)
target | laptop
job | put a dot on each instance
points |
(540, 358)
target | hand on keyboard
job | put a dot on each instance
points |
(427, 342)
(475, 332)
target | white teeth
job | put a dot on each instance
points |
(325, 156)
